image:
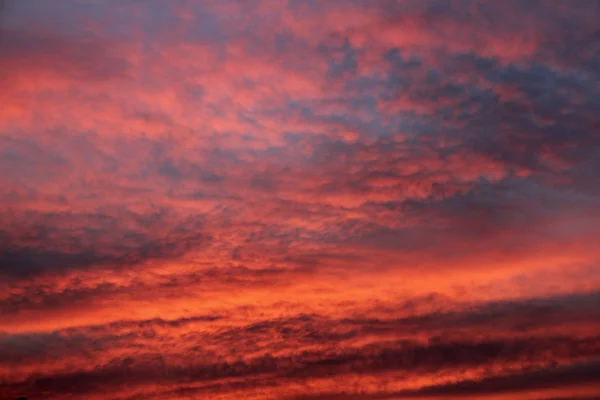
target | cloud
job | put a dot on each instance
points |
(77, 246)
(586, 374)
(275, 199)
(205, 353)
(413, 360)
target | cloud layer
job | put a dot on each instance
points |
(299, 200)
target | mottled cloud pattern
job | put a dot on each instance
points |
(299, 199)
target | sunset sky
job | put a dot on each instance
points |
(299, 199)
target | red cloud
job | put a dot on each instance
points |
(298, 200)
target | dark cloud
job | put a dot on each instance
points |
(573, 376)
(62, 242)
(568, 376)
(413, 359)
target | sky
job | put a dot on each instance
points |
(299, 199)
